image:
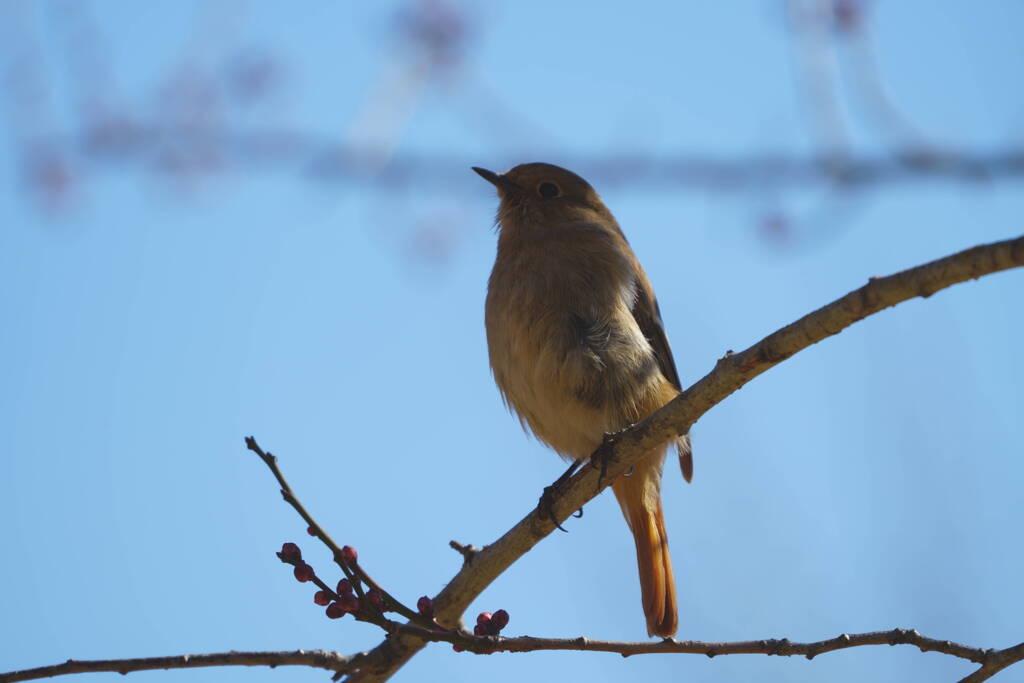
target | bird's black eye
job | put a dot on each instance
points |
(549, 190)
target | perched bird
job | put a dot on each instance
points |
(578, 349)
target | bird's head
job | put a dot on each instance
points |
(543, 196)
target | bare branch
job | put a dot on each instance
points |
(620, 452)
(992, 661)
(319, 659)
(330, 163)
(996, 661)
(355, 573)
(782, 647)
(730, 373)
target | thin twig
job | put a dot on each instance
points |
(319, 659)
(783, 647)
(289, 496)
(353, 571)
(468, 552)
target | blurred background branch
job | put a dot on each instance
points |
(220, 111)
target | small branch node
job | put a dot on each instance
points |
(468, 552)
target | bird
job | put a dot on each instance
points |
(578, 349)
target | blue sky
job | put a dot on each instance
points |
(150, 321)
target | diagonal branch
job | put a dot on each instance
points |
(730, 373)
(351, 568)
(996, 661)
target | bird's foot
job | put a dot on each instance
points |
(602, 457)
(546, 504)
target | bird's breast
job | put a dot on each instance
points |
(567, 354)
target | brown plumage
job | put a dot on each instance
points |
(578, 349)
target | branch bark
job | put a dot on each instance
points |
(996, 662)
(992, 661)
(319, 659)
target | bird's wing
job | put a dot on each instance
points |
(648, 317)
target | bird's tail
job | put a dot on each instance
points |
(685, 451)
(639, 496)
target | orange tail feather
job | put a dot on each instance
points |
(640, 498)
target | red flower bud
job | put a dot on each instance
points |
(376, 598)
(481, 630)
(310, 531)
(321, 598)
(303, 572)
(349, 554)
(349, 602)
(458, 648)
(483, 617)
(335, 610)
(344, 586)
(499, 620)
(426, 606)
(290, 553)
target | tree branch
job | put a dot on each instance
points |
(323, 160)
(992, 661)
(319, 659)
(995, 662)
(621, 451)
(782, 647)
(730, 374)
(353, 572)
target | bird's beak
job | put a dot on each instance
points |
(496, 179)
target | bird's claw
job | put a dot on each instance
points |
(547, 505)
(602, 456)
(547, 499)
